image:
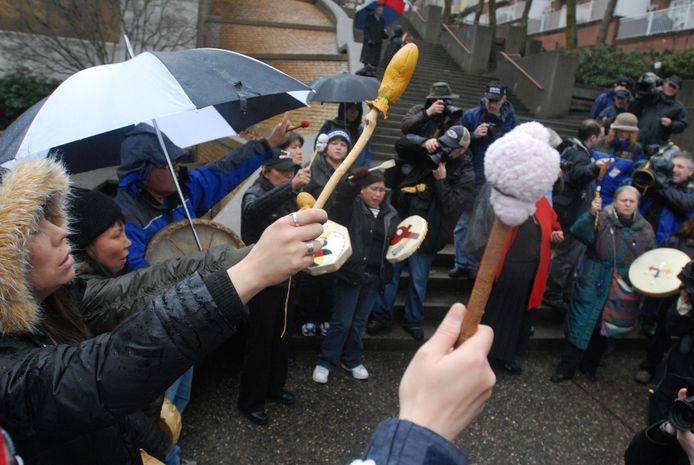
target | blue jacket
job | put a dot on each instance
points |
(478, 146)
(592, 285)
(603, 101)
(400, 442)
(667, 208)
(626, 155)
(203, 187)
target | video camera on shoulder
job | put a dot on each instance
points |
(648, 85)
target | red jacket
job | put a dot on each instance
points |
(547, 219)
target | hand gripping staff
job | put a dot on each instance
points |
(520, 166)
(395, 80)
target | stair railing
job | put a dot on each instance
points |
(522, 70)
(456, 38)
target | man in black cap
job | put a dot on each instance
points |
(438, 185)
(433, 118)
(660, 113)
(622, 99)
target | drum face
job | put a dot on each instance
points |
(176, 239)
(654, 273)
(336, 249)
(408, 237)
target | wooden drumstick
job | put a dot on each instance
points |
(520, 166)
(382, 167)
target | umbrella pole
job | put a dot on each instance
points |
(178, 186)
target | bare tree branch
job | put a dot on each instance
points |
(606, 20)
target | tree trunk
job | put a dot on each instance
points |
(492, 20)
(606, 20)
(524, 25)
(447, 11)
(478, 13)
(571, 36)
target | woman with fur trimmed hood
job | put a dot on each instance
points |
(67, 398)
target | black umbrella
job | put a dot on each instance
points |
(344, 87)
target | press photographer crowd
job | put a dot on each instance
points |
(99, 335)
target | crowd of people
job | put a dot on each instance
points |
(96, 341)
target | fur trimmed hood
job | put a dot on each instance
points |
(32, 189)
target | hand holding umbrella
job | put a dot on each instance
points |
(520, 166)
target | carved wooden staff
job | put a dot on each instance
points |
(395, 80)
(520, 166)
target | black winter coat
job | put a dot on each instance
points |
(69, 404)
(262, 205)
(574, 192)
(651, 110)
(442, 201)
(349, 209)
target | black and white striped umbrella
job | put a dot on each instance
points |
(193, 95)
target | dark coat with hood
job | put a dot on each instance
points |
(348, 208)
(353, 128)
(440, 202)
(203, 187)
(262, 205)
(76, 404)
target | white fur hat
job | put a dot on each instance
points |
(521, 166)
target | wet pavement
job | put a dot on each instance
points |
(529, 420)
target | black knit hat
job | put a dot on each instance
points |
(91, 213)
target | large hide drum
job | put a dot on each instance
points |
(176, 239)
(408, 237)
(336, 248)
(655, 272)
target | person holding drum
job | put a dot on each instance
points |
(357, 204)
(265, 365)
(622, 234)
(67, 397)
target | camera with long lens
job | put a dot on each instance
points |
(648, 85)
(440, 156)
(682, 414)
(453, 112)
(656, 171)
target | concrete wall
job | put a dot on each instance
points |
(477, 38)
(429, 28)
(554, 71)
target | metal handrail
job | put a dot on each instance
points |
(419, 15)
(522, 71)
(456, 38)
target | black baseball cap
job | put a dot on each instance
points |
(280, 160)
(495, 91)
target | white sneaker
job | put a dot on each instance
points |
(324, 327)
(320, 374)
(358, 372)
(308, 329)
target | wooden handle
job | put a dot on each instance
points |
(486, 275)
(369, 126)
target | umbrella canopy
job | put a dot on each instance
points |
(344, 87)
(194, 96)
(392, 10)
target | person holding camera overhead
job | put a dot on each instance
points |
(493, 118)
(438, 185)
(660, 113)
(433, 118)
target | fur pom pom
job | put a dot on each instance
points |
(521, 166)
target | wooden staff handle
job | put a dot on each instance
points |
(369, 127)
(486, 274)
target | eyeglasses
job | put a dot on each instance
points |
(377, 190)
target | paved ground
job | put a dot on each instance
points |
(528, 420)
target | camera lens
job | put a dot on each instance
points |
(682, 414)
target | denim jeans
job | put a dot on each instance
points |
(179, 392)
(351, 308)
(419, 264)
(463, 260)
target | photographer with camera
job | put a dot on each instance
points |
(670, 200)
(660, 113)
(607, 98)
(438, 185)
(493, 118)
(433, 118)
(571, 198)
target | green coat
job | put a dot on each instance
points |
(106, 300)
(592, 284)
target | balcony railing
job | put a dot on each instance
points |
(657, 22)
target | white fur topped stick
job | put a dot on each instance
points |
(521, 167)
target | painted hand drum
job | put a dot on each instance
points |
(408, 237)
(655, 272)
(336, 249)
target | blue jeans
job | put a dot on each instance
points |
(463, 260)
(351, 308)
(419, 264)
(179, 392)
